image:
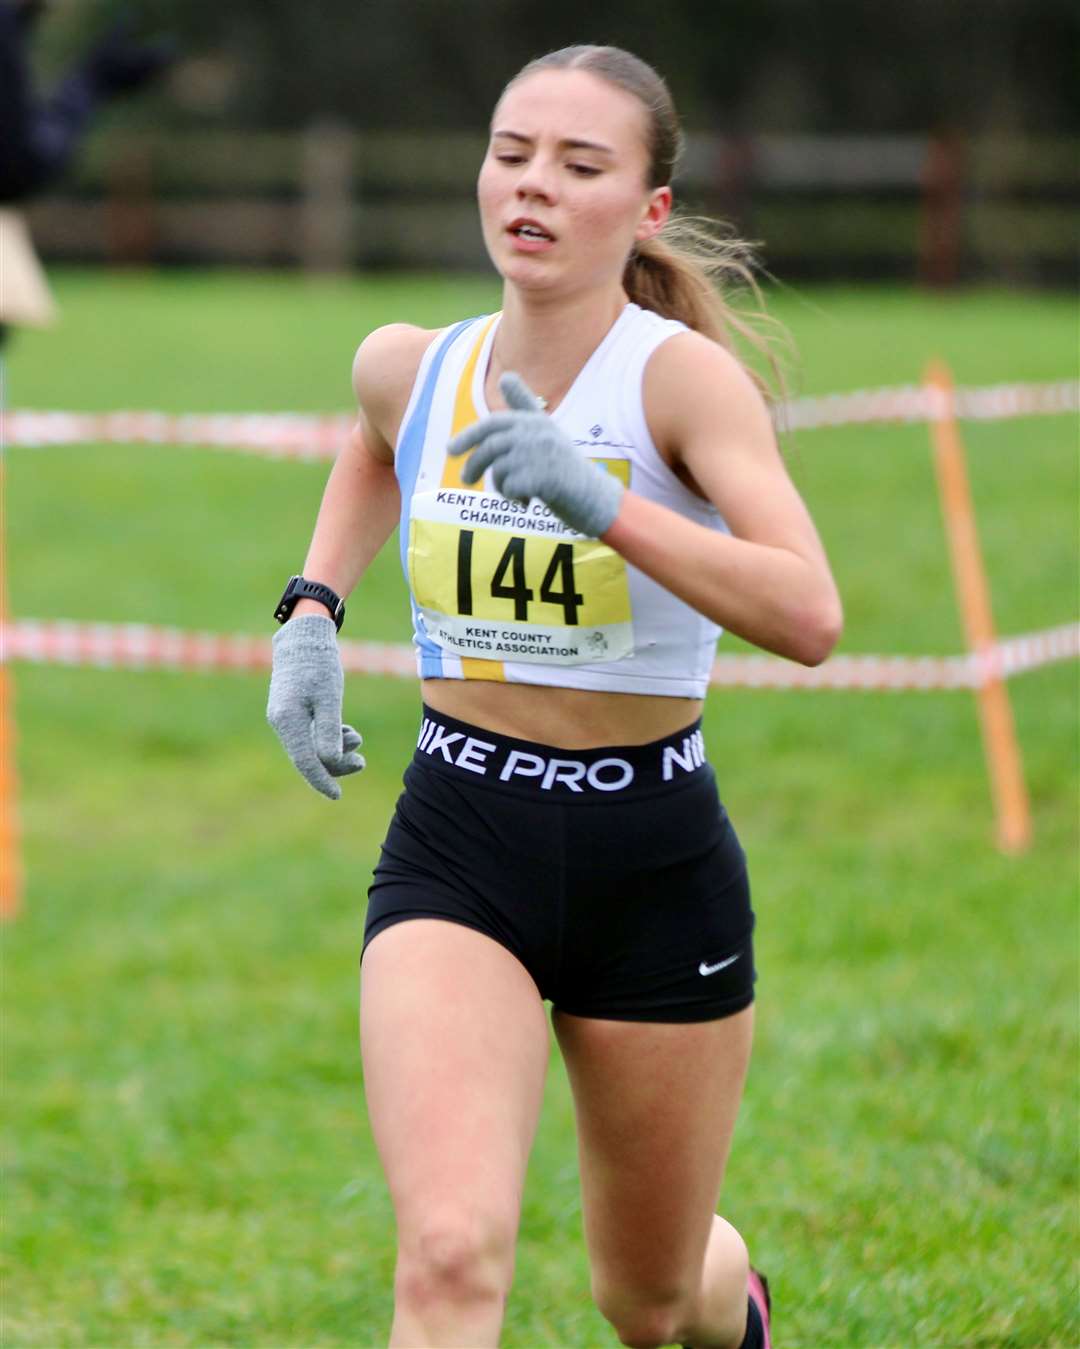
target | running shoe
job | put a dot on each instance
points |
(758, 1288)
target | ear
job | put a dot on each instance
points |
(655, 215)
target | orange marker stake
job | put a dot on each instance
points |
(973, 595)
(11, 872)
(10, 861)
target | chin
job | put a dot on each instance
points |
(525, 274)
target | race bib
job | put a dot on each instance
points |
(499, 581)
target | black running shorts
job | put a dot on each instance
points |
(613, 874)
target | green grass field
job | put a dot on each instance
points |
(187, 1158)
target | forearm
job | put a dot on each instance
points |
(359, 510)
(770, 596)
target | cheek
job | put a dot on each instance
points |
(611, 217)
(487, 190)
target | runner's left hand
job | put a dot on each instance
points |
(532, 457)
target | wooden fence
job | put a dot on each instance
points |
(935, 209)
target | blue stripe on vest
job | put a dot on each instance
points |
(410, 451)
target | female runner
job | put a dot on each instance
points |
(589, 488)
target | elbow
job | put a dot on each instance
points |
(817, 632)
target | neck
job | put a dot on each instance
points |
(547, 340)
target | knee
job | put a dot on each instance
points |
(455, 1258)
(644, 1319)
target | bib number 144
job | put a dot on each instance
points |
(510, 581)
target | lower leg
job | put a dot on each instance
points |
(718, 1319)
(656, 1106)
(449, 1292)
(449, 1326)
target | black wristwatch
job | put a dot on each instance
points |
(299, 589)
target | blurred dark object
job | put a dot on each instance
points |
(39, 135)
(120, 64)
(27, 12)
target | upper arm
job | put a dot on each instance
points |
(383, 373)
(705, 413)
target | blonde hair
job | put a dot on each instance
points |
(686, 271)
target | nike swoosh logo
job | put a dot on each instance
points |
(723, 964)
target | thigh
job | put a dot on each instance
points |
(656, 1106)
(455, 1047)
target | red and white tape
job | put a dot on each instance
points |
(140, 647)
(277, 435)
(922, 403)
(287, 435)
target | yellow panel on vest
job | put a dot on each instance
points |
(465, 412)
(618, 468)
(492, 670)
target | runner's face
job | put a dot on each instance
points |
(563, 188)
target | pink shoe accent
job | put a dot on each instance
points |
(758, 1289)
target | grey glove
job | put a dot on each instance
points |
(304, 706)
(532, 457)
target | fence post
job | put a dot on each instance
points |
(130, 227)
(1003, 761)
(941, 210)
(326, 213)
(734, 180)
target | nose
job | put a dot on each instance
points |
(536, 181)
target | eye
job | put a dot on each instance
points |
(509, 157)
(584, 170)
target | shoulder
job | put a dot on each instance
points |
(385, 365)
(384, 372)
(687, 355)
(694, 388)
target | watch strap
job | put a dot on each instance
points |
(300, 588)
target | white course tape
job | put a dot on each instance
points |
(287, 435)
(140, 647)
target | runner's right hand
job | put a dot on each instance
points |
(304, 707)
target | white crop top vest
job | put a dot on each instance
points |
(507, 592)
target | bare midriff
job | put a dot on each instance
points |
(564, 718)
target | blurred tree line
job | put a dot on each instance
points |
(802, 66)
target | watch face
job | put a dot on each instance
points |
(287, 603)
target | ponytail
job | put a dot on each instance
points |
(687, 272)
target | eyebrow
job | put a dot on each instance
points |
(567, 144)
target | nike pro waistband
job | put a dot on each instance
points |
(474, 753)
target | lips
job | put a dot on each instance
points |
(530, 230)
